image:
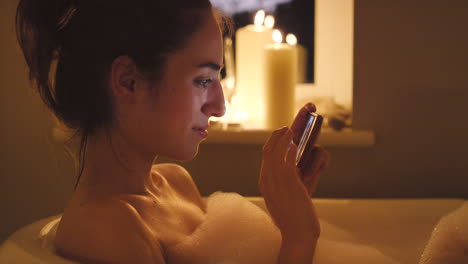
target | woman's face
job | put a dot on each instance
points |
(172, 119)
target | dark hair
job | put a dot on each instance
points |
(79, 39)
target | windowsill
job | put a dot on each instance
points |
(328, 137)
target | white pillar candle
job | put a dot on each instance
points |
(301, 57)
(280, 67)
(250, 42)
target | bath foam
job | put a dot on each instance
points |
(235, 231)
(449, 239)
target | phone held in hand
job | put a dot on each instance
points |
(308, 139)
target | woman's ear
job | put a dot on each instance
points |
(123, 78)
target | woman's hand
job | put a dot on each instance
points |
(320, 157)
(286, 197)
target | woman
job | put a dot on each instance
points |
(135, 80)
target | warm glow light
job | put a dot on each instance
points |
(241, 116)
(230, 83)
(214, 119)
(277, 37)
(291, 39)
(269, 21)
(259, 17)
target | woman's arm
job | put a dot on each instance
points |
(287, 191)
(287, 199)
(296, 252)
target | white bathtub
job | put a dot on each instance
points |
(396, 228)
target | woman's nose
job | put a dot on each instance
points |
(215, 105)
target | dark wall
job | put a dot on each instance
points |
(411, 87)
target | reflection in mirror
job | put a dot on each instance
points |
(290, 16)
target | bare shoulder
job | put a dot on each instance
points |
(107, 231)
(180, 179)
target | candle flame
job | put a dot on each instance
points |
(277, 37)
(259, 17)
(291, 39)
(230, 83)
(269, 21)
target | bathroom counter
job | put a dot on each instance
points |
(328, 137)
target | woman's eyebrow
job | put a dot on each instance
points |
(211, 65)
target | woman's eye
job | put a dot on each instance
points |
(204, 83)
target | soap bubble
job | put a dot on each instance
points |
(449, 240)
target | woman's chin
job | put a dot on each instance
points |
(184, 154)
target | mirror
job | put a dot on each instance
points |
(291, 16)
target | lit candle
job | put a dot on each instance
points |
(250, 94)
(301, 57)
(280, 66)
(229, 82)
(269, 21)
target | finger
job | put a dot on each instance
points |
(291, 162)
(313, 181)
(282, 146)
(324, 163)
(316, 156)
(313, 174)
(323, 166)
(268, 149)
(300, 121)
(270, 145)
(291, 156)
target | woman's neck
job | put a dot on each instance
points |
(112, 166)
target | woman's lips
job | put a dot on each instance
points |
(202, 132)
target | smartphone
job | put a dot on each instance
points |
(308, 139)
